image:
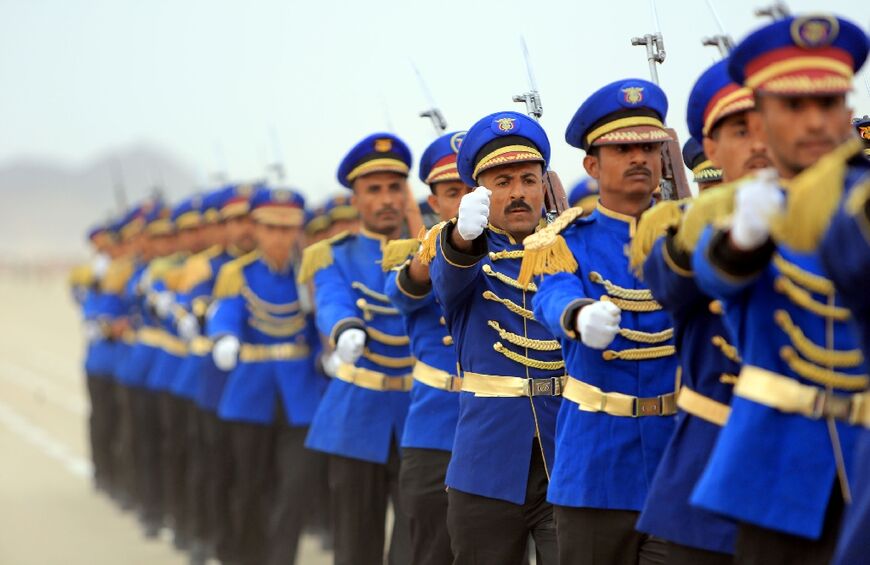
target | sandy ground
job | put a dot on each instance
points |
(49, 513)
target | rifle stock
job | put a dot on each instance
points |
(555, 198)
(675, 185)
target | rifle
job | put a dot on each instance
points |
(555, 199)
(674, 184)
(776, 11)
(722, 41)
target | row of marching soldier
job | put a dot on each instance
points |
(634, 381)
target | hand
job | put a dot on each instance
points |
(100, 264)
(755, 205)
(93, 331)
(473, 213)
(188, 327)
(163, 303)
(350, 345)
(226, 353)
(598, 324)
(330, 363)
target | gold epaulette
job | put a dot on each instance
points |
(813, 197)
(197, 269)
(546, 251)
(117, 275)
(653, 224)
(81, 275)
(158, 267)
(709, 207)
(231, 279)
(318, 256)
(428, 243)
(397, 251)
(858, 199)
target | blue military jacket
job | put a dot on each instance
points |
(260, 306)
(771, 468)
(133, 369)
(172, 350)
(104, 305)
(353, 421)
(489, 316)
(431, 422)
(709, 366)
(605, 461)
(845, 251)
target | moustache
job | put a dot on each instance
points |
(637, 171)
(386, 210)
(517, 205)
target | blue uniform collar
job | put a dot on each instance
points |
(368, 234)
(615, 219)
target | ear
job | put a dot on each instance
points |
(710, 148)
(433, 202)
(590, 163)
(353, 198)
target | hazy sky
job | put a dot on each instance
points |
(209, 80)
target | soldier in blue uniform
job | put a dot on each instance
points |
(709, 364)
(261, 336)
(431, 423)
(510, 365)
(780, 464)
(704, 173)
(584, 194)
(619, 402)
(361, 418)
(845, 251)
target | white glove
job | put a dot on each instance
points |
(93, 331)
(473, 213)
(163, 303)
(755, 205)
(226, 353)
(331, 363)
(598, 324)
(188, 327)
(100, 264)
(350, 345)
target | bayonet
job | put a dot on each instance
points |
(432, 113)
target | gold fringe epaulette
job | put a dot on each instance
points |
(813, 197)
(317, 257)
(428, 243)
(231, 279)
(81, 275)
(197, 269)
(159, 267)
(710, 206)
(653, 224)
(858, 199)
(546, 252)
(117, 275)
(397, 251)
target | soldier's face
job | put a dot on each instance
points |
(191, 240)
(626, 172)
(735, 149)
(240, 233)
(517, 197)
(380, 199)
(445, 198)
(798, 130)
(276, 242)
(162, 245)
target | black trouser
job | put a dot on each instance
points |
(487, 531)
(762, 546)
(146, 417)
(424, 499)
(297, 471)
(360, 491)
(123, 453)
(217, 477)
(101, 425)
(251, 491)
(684, 555)
(595, 535)
(172, 445)
(195, 487)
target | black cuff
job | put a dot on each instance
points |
(569, 316)
(347, 325)
(737, 263)
(680, 258)
(479, 248)
(410, 286)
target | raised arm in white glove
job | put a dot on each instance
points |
(755, 205)
(188, 327)
(350, 345)
(163, 303)
(598, 324)
(330, 363)
(226, 353)
(473, 213)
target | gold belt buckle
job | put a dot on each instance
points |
(392, 384)
(834, 406)
(545, 387)
(647, 406)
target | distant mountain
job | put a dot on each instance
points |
(47, 207)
